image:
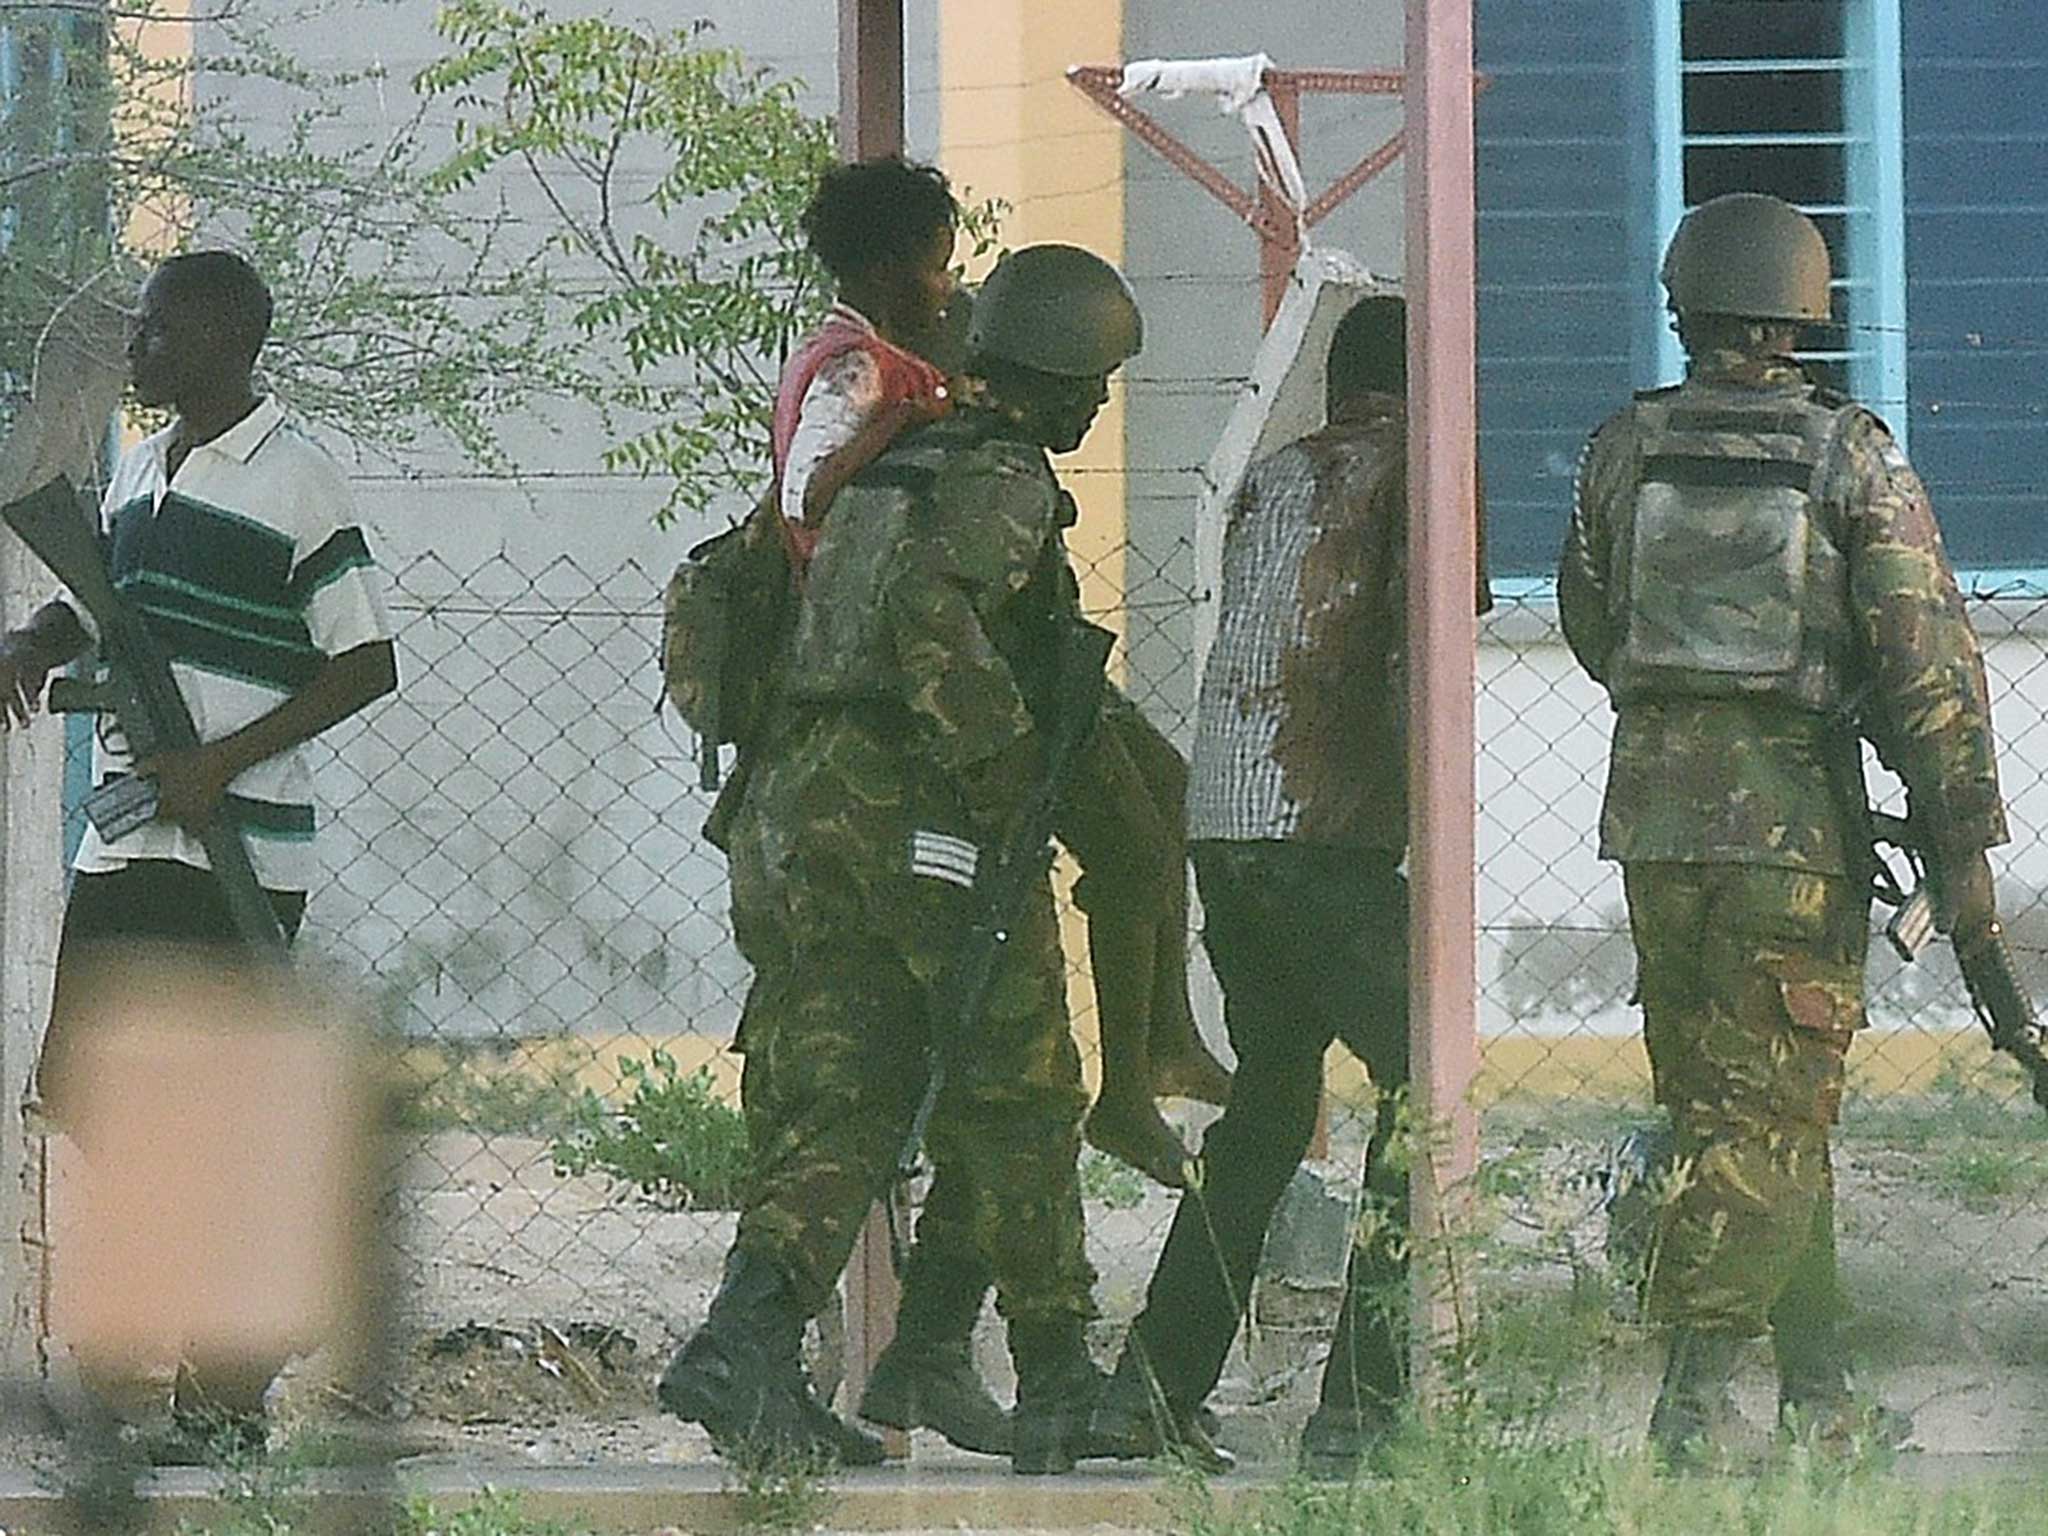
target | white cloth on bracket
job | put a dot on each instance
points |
(1234, 81)
(1239, 86)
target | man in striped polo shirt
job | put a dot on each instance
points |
(237, 540)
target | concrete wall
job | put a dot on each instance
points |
(1196, 269)
(571, 502)
(31, 772)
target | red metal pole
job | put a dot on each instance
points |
(870, 78)
(1280, 239)
(1442, 643)
(871, 125)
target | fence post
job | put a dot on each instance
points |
(870, 125)
(31, 906)
(1442, 642)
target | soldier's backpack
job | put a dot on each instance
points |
(724, 619)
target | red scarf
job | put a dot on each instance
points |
(905, 376)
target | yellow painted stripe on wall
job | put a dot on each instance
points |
(151, 104)
(1513, 1068)
(1010, 127)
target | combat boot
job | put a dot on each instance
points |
(741, 1376)
(1057, 1386)
(1816, 1400)
(1696, 1423)
(926, 1379)
(1133, 1421)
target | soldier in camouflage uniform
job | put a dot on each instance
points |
(1754, 573)
(910, 734)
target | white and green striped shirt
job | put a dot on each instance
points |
(251, 569)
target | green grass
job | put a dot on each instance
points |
(1451, 1483)
(775, 1492)
(1509, 1452)
(1490, 1463)
(1988, 1176)
(493, 1514)
(1912, 1122)
(675, 1138)
(492, 1101)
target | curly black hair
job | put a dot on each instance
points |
(876, 211)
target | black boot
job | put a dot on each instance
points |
(741, 1376)
(926, 1379)
(1815, 1399)
(1056, 1391)
(1364, 1380)
(1696, 1422)
(1133, 1421)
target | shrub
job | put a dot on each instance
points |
(675, 1139)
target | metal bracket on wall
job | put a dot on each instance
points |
(1262, 210)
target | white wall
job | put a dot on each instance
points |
(1195, 266)
(1553, 955)
(31, 895)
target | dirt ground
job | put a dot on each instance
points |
(541, 1309)
(1950, 1290)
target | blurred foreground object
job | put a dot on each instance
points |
(229, 1191)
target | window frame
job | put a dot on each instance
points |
(1872, 140)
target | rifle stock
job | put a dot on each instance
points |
(139, 687)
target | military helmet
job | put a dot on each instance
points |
(1751, 255)
(1056, 308)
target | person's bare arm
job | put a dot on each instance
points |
(190, 783)
(28, 655)
(877, 431)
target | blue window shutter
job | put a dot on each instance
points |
(1976, 159)
(1565, 221)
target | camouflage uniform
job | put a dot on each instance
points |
(916, 669)
(1747, 878)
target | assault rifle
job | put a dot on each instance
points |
(136, 687)
(1004, 879)
(1994, 987)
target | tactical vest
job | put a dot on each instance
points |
(1726, 580)
(842, 650)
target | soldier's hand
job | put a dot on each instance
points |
(22, 676)
(1965, 904)
(189, 784)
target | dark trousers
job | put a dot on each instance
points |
(151, 901)
(1311, 945)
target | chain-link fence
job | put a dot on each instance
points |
(516, 877)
